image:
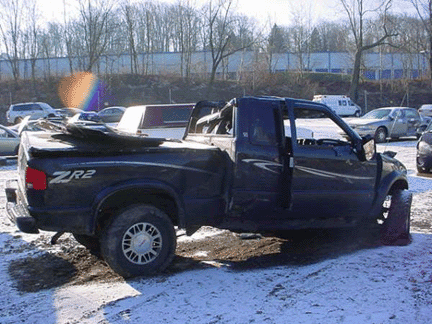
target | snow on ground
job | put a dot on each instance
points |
(377, 285)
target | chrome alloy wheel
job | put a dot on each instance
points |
(142, 243)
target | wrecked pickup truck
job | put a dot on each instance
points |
(241, 166)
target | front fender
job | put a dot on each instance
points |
(393, 176)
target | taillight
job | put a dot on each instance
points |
(35, 179)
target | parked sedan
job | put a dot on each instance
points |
(389, 122)
(111, 114)
(91, 116)
(68, 112)
(9, 141)
(424, 151)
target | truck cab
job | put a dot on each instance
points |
(284, 178)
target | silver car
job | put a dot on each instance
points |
(388, 122)
(9, 141)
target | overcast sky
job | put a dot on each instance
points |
(266, 12)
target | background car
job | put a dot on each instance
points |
(86, 116)
(68, 112)
(426, 110)
(424, 151)
(393, 122)
(340, 104)
(111, 114)
(9, 141)
(17, 112)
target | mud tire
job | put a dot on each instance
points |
(140, 241)
(396, 227)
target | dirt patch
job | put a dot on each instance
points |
(75, 265)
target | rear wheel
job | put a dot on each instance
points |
(141, 240)
(396, 226)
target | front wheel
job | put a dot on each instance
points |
(421, 166)
(421, 169)
(380, 135)
(396, 226)
(141, 240)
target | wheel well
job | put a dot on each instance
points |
(383, 127)
(398, 185)
(121, 200)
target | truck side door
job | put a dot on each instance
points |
(329, 178)
(261, 182)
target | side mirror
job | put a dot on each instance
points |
(369, 147)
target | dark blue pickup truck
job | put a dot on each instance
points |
(253, 164)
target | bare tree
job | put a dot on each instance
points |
(219, 23)
(275, 43)
(95, 24)
(33, 40)
(357, 12)
(12, 24)
(424, 11)
(334, 37)
(130, 21)
(301, 32)
(185, 30)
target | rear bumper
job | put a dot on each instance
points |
(16, 210)
(30, 220)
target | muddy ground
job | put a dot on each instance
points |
(68, 263)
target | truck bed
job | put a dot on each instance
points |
(92, 141)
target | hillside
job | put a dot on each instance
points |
(128, 90)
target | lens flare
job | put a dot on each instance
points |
(82, 90)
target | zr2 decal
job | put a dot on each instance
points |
(67, 176)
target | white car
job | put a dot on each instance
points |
(340, 104)
(17, 112)
(425, 110)
(161, 120)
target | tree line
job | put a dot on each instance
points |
(101, 27)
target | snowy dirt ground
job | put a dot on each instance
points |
(216, 277)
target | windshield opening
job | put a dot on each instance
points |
(377, 114)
